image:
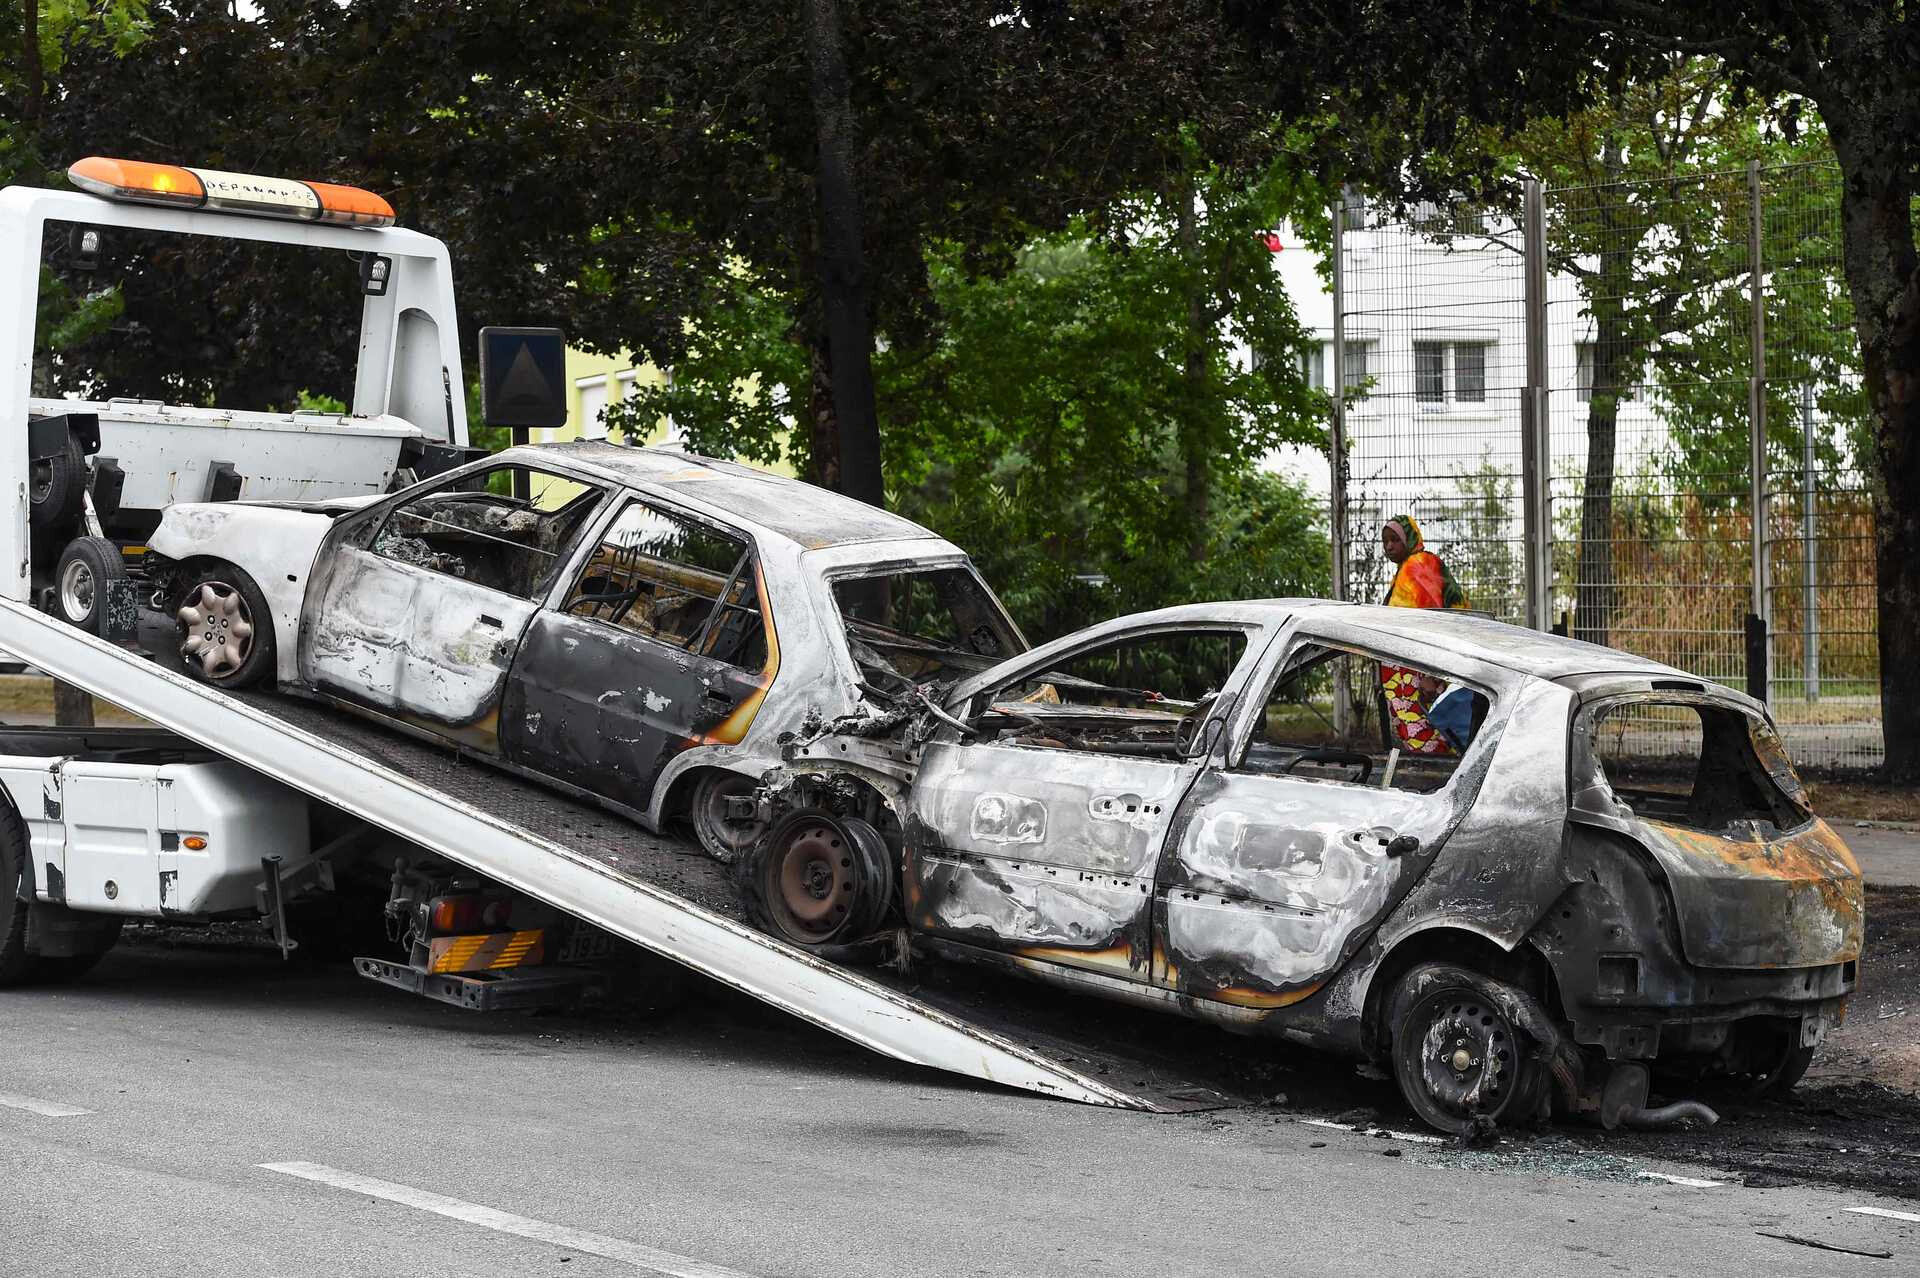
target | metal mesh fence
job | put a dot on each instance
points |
(1434, 313)
(1694, 333)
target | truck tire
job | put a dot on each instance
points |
(17, 967)
(80, 582)
(58, 486)
(225, 628)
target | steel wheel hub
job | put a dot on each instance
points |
(77, 588)
(216, 631)
(1467, 1058)
(816, 877)
(732, 835)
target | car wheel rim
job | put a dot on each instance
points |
(1468, 1060)
(77, 588)
(814, 878)
(42, 484)
(216, 629)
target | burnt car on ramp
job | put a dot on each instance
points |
(636, 625)
(1515, 870)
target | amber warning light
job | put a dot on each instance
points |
(136, 182)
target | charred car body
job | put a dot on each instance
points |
(1518, 887)
(639, 626)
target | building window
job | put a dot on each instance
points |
(1470, 373)
(1313, 365)
(1583, 353)
(1430, 372)
(1449, 373)
(1359, 366)
(593, 407)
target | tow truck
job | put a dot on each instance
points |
(258, 805)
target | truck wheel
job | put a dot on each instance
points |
(818, 879)
(723, 840)
(58, 486)
(1458, 1058)
(80, 586)
(17, 967)
(226, 631)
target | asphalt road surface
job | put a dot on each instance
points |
(1888, 857)
(206, 1111)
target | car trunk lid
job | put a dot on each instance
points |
(1751, 897)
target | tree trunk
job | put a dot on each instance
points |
(843, 266)
(1876, 215)
(32, 73)
(1195, 449)
(1614, 356)
(823, 450)
(72, 707)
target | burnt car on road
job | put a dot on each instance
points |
(635, 625)
(1517, 871)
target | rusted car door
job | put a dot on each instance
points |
(1041, 835)
(1294, 844)
(655, 642)
(420, 602)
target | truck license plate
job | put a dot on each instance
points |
(585, 942)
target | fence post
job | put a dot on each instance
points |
(1809, 554)
(1337, 452)
(1535, 454)
(1337, 388)
(1758, 680)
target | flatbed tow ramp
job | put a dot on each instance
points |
(647, 889)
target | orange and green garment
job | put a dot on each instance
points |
(1422, 582)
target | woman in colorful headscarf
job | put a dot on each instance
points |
(1421, 580)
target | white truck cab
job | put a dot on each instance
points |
(88, 479)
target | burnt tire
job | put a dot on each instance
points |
(723, 840)
(1458, 1056)
(1781, 1062)
(82, 582)
(57, 486)
(817, 879)
(224, 628)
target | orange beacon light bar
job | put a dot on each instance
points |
(176, 186)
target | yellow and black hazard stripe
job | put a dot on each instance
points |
(487, 952)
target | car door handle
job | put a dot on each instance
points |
(1403, 845)
(719, 696)
(485, 620)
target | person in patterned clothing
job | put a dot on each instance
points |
(1420, 580)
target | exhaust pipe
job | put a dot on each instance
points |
(1623, 1103)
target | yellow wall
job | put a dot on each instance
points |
(617, 375)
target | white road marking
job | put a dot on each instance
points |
(642, 1257)
(1412, 1138)
(1890, 1215)
(47, 1109)
(1692, 1182)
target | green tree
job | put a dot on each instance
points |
(1091, 423)
(1649, 215)
(37, 39)
(1444, 71)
